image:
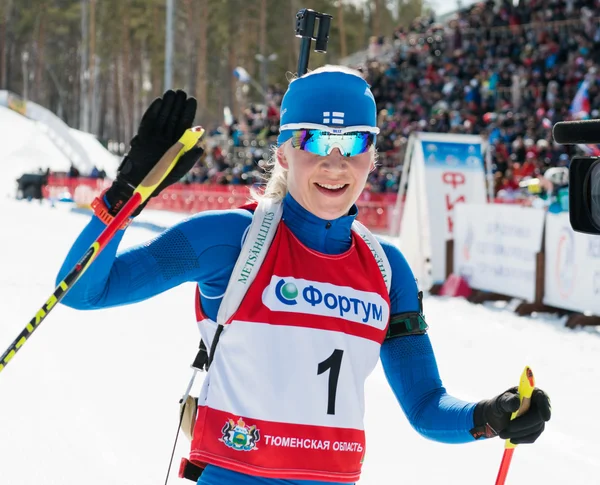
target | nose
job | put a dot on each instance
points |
(335, 160)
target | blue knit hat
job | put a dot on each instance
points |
(335, 101)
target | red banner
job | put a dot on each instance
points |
(375, 209)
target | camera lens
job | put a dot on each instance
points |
(594, 188)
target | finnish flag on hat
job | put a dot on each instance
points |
(331, 100)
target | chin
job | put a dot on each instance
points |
(326, 207)
(330, 213)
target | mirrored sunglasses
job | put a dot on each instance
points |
(323, 143)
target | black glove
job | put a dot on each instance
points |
(163, 123)
(492, 417)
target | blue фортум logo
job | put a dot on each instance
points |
(289, 294)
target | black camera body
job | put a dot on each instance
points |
(584, 194)
(584, 175)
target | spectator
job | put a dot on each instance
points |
(505, 71)
(73, 172)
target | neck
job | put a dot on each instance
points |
(328, 237)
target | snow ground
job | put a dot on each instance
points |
(93, 396)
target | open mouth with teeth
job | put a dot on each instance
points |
(331, 189)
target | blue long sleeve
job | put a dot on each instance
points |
(201, 249)
(410, 367)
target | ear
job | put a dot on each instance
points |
(374, 158)
(373, 163)
(281, 158)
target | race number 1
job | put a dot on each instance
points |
(333, 363)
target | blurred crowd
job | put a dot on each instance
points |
(238, 149)
(505, 71)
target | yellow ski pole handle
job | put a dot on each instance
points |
(142, 192)
(525, 390)
(159, 172)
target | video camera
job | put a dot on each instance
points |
(584, 174)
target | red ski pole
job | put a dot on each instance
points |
(142, 192)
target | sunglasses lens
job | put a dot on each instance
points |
(323, 143)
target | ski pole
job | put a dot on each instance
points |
(141, 193)
(526, 387)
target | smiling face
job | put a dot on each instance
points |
(325, 186)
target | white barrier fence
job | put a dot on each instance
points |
(572, 263)
(496, 247)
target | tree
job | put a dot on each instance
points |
(124, 43)
(5, 11)
(409, 10)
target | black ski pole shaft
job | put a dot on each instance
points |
(141, 193)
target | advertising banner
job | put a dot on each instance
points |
(495, 247)
(572, 279)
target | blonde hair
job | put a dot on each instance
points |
(276, 178)
(275, 175)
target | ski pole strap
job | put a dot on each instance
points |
(101, 211)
